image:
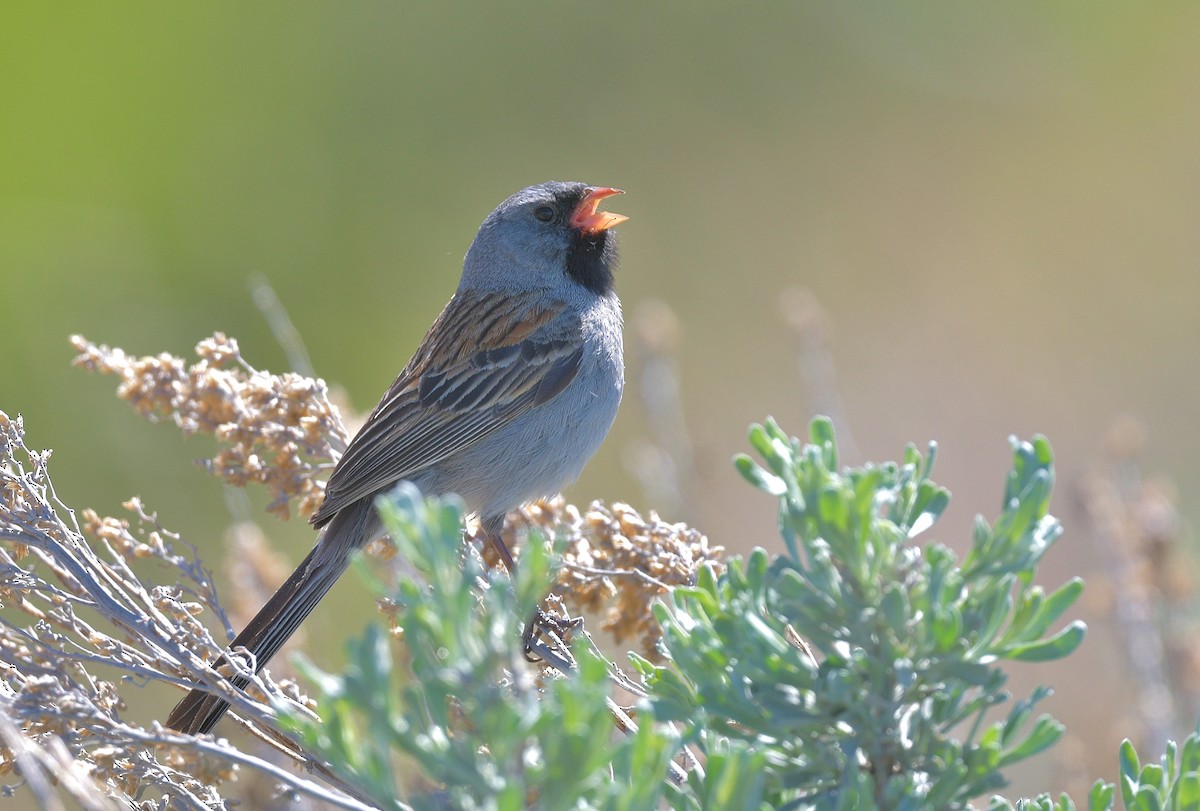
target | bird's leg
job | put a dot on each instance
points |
(541, 623)
(501, 548)
(493, 528)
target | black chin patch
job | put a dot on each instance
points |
(590, 261)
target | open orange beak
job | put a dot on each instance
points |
(587, 219)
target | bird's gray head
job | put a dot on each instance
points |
(543, 235)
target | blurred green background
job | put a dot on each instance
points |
(998, 206)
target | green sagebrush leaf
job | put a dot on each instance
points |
(1187, 792)
(762, 479)
(1101, 797)
(1061, 644)
(1046, 732)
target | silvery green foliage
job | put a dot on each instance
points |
(859, 665)
(852, 671)
(1172, 784)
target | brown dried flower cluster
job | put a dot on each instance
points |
(280, 431)
(616, 562)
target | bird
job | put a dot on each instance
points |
(509, 394)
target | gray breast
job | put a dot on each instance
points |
(546, 448)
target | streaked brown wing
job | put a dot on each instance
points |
(434, 410)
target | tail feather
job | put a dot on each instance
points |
(275, 623)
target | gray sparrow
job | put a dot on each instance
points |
(510, 393)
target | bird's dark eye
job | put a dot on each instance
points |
(544, 213)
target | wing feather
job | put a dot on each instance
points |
(451, 396)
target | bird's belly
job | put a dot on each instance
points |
(538, 453)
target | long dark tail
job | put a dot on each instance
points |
(274, 624)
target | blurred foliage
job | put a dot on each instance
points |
(1172, 783)
(978, 193)
(855, 671)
